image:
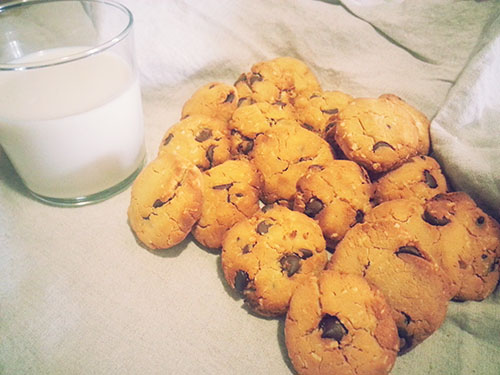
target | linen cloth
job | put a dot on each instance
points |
(79, 295)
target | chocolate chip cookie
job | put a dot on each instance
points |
(337, 195)
(230, 194)
(376, 134)
(392, 259)
(278, 80)
(201, 139)
(215, 100)
(166, 201)
(468, 248)
(265, 257)
(339, 324)
(419, 178)
(283, 154)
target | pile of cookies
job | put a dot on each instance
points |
(325, 208)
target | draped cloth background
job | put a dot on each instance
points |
(79, 295)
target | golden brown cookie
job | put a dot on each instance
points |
(339, 324)
(337, 195)
(393, 260)
(469, 244)
(276, 80)
(215, 100)
(201, 139)
(376, 134)
(265, 257)
(165, 201)
(252, 120)
(230, 194)
(315, 111)
(421, 121)
(283, 154)
(419, 178)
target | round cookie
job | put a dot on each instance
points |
(230, 194)
(276, 80)
(421, 121)
(376, 134)
(419, 178)
(165, 201)
(315, 111)
(339, 324)
(337, 195)
(202, 140)
(265, 257)
(252, 120)
(215, 100)
(468, 248)
(393, 260)
(283, 154)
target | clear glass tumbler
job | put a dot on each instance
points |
(71, 118)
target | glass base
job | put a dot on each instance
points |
(93, 198)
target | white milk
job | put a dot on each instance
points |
(74, 129)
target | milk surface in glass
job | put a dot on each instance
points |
(73, 129)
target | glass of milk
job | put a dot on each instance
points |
(71, 118)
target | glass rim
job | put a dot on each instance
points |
(74, 56)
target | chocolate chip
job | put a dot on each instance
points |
(280, 104)
(263, 227)
(241, 78)
(222, 187)
(305, 158)
(168, 139)
(316, 167)
(430, 180)
(380, 144)
(484, 256)
(158, 203)
(290, 264)
(330, 111)
(493, 265)
(405, 340)
(480, 220)
(241, 281)
(212, 86)
(229, 98)
(267, 207)
(360, 216)
(210, 154)
(306, 253)
(307, 126)
(313, 207)
(255, 77)
(246, 249)
(245, 146)
(411, 250)
(204, 135)
(332, 328)
(433, 220)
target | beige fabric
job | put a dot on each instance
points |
(79, 295)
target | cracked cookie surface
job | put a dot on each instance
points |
(215, 100)
(337, 195)
(339, 324)
(230, 194)
(200, 139)
(165, 201)
(376, 134)
(393, 260)
(469, 245)
(315, 111)
(252, 120)
(283, 155)
(276, 80)
(265, 257)
(419, 178)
